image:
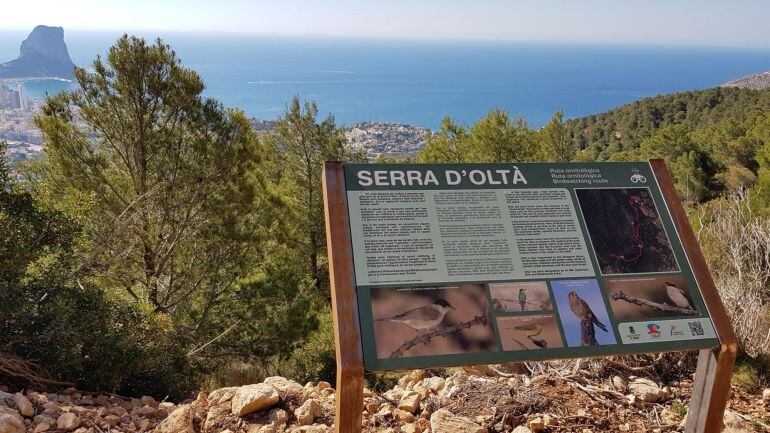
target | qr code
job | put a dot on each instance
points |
(696, 328)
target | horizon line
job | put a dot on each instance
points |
(393, 38)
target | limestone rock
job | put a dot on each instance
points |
(285, 387)
(645, 390)
(522, 429)
(410, 401)
(40, 428)
(537, 425)
(144, 424)
(444, 421)
(11, 421)
(23, 405)
(403, 416)
(112, 420)
(278, 416)
(146, 400)
(385, 411)
(307, 413)
(178, 421)
(766, 395)
(42, 54)
(253, 398)
(68, 421)
(410, 428)
(435, 383)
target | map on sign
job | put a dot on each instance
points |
(482, 263)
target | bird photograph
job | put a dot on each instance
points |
(422, 318)
(677, 295)
(520, 296)
(642, 298)
(588, 320)
(529, 332)
(410, 321)
(583, 313)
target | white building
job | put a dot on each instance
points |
(23, 103)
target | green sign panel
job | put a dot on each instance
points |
(484, 263)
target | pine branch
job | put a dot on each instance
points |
(644, 302)
(440, 332)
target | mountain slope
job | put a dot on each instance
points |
(626, 127)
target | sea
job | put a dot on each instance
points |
(419, 82)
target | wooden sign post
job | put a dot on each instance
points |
(347, 335)
(565, 197)
(711, 389)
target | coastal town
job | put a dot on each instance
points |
(25, 141)
(17, 128)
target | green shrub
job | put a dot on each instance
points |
(82, 336)
(314, 360)
(747, 376)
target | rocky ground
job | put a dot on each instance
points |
(463, 402)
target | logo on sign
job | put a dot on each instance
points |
(675, 330)
(653, 329)
(637, 177)
(632, 334)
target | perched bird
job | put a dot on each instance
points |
(677, 296)
(587, 318)
(522, 298)
(531, 330)
(421, 318)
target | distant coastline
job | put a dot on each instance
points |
(420, 82)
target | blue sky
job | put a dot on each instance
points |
(666, 22)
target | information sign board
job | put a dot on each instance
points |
(484, 263)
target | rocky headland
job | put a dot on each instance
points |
(42, 55)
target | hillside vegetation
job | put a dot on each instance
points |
(162, 246)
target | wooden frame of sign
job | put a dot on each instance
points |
(714, 369)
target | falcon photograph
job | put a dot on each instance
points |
(583, 314)
(626, 231)
(431, 321)
(649, 297)
(539, 331)
(520, 296)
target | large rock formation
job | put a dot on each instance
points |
(42, 55)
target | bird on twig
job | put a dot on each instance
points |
(422, 318)
(677, 296)
(522, 298)
(531, 330)
(583, 311)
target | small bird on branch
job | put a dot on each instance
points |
(588, 319)
(531, 330)
(422, 318)
(522, 299)
(677, 295)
